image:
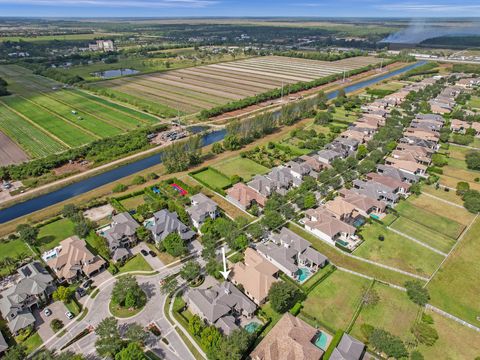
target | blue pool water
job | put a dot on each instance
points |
(321, 341)
(359, 222)
(373, 216)
(252, 327)
(303, 274)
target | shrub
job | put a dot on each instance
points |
(425, 334)
(138, 180)
(56, 324)
(417, 293)
(283, 296)
(119, 188)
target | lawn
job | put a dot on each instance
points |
(442, 194)
(245, 168)
(51, 234)
(122, 312)
(13, 248)
(97, 245)
(455, 342)
(213, 178)
(136, 263)
(430, 219)
(334, 301)
(337, 257)
(133, 202)
(33, 342)
(396, 251)
(424, 234)
(395, 312)
(455, 287)
(474, 102)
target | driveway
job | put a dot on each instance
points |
(154, 262)
(42, 322)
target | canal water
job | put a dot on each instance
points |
(83, 186)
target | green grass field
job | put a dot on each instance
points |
(32, 343)
(430, 219)
(396, 251)
(51, 234)
(213, 178)
(91, 36)
(395, 312)
(455, 287)
(133, 202)
(12, 249)
(334, 301)
(475, 102)
(442, 194)
(136, 263)
(243, 167)
(424, 234)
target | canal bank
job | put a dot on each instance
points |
(83, 186)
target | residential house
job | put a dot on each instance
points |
(327, 227)
(256, 275)
(420, 154)
(222, 305)
(459, 126)
(313, 162)
(348, 348)
(33, 289)
(422, 134)
(73, 260)
(262, 185)
(412, 140)
(121, 235)
(396, 186)
(348, 145)
(202, 208)
(244, 196)
(430, 117)
(282, 179)
(433, 126)
(398, 174)
(299, 170)
(327, 156)
(290, 339)
(165, 223)
(439, 108)
(409, 166)
(366, 206)
(342, 210)
(3, 344)
(376, 191)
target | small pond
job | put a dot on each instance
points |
(114, 73)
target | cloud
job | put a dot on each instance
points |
(117, 3)
(420, 7)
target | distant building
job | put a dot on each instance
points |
(102, 45)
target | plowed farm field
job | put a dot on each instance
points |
(193, 89)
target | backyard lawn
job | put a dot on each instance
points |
(430, 219)
(396, 251)
(394, 312)
(245, 168)
(51, 234)
(334, 301)
(474, 102)
(33, 342)
(12, 249)
(136, 263)
(213, 178)
(455, 341)
(455, 287)
(133, 202)
(424, 234)
(442, 194)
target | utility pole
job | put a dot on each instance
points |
(281, 98)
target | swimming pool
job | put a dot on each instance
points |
(373, 216)
(321, 341)
(252, 327)
(359, 222)
(303, 274)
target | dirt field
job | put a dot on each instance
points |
(10, 153)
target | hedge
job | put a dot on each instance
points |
(219, 190)
(335, 341)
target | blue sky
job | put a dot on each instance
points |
(205, 8)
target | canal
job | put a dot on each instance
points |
(91, 183)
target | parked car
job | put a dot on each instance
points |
(144, 252)
(69, 315)
(81, 292)
(87, 283)
(152, 253)
(47, 312)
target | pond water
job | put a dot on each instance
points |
(114, 73)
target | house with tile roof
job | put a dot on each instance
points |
(34, 288)
(256, 275)
(290, 339)
(244, 196)
(411, 167)
(3, 344)
(201, 209)
(365, 205)
(222, 305)
(398, 174)
(121, 236)
(348, 348)
(165, 223)
(73, 260)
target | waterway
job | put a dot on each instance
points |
(83, 186)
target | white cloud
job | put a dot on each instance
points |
(118, 3)
(447, 8)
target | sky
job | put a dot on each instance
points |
(240, 8)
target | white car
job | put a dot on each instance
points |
(69, 315)
(47, 312)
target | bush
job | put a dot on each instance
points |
(425, 334)
(417, 293)
(119, 188)
(283, 296)
(56, 325)
(138, 180)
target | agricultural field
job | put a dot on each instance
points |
(397, 251)
(243, 167)
(333, 302)
(191, 90)
(43, 118)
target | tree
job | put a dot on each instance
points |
(27, 233)
(471, 201)
(462, 187)
(272, 219)
(63, 294)
(416, 355)
(174, 245)
(69, 211)
(283, 296)
(17, 352)
(83, 227)
(138, 180)
(387, 343)
(217, 148)
(119, 188)
(235, 346)
(169, 285)
(143, 234)
(126, 292)
(473, 160)
(323, 118)
(231, 142)
(213, 268)
(108, 342)
(366, 166)
(136, 334)
(240, 242)
(424, 333)
(190, 271)
(132, 352)
(255, 230)
(210, 338)
(417, 293)
(195, 325)
(370, 297)
(439, 160)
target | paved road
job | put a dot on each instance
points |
(153, 312)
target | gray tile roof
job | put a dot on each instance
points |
(165, 223)
(349, 348)
(374, 190)
(282, 255)
(262, 184)
(3, 343)
(294, 241)
(123, 225)
(397, 174)
(202, 205)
